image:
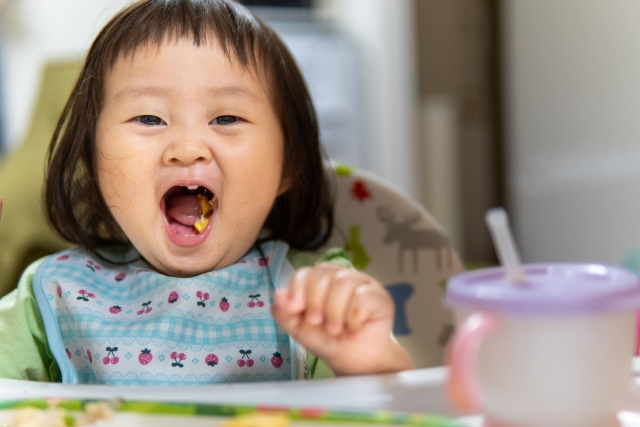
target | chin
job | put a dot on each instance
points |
(189, 267)
(190, 262)
(181, 265)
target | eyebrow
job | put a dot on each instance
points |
(219, 91)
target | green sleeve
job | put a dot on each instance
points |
(299, 259)
(24, 351)
(317, 368)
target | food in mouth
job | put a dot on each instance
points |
(207, 206)
(189, 209)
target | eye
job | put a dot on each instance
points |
(150, 120)
(224, 120)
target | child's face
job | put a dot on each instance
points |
(178, 116)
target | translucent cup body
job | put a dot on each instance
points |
(554, 370)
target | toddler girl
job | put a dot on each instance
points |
(186, 168)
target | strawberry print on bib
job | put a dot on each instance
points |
(125, 324)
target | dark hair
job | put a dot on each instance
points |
(302, 216)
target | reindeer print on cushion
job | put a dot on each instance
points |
(411, 239)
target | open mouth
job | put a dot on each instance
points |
(188, 210)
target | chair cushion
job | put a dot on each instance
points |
(393, 238)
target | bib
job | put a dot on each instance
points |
(125, 324)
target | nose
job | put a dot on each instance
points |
(187, 148)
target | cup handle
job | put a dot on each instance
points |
(462, 383)
(637, 333)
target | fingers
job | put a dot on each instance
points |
(331, 297)
(340, 297)
(318, 283)
(297, 290)
(282, 312)
(289, 304)
(367, 302)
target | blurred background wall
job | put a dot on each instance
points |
(572, 86)
(37, 31)
(461, 138)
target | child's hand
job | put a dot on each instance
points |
(344, 317)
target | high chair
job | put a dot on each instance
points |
(24, 233)
(393, 238)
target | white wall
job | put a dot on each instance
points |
(35, 31)
(385, 30)
(572, 89)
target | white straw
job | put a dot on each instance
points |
(498, 222)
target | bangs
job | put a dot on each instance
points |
(239, 33)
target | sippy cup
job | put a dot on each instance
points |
(553, 351)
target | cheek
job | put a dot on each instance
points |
(120, 181)
(121, 171)
(256, 180)
(262, 179)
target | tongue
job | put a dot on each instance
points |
(184, 208)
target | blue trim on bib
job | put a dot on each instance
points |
(51, 327)
(279, 257)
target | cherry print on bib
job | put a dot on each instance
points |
(84, 295)
(255, 302)
(177, 359)
(242, 362)
(111, 351)
(145, 308)
(203, 297)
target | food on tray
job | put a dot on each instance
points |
(207, 206)
(59, 417)
(258, 419)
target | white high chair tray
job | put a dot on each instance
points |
(416, 391)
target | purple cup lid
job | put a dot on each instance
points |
(549, 289)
